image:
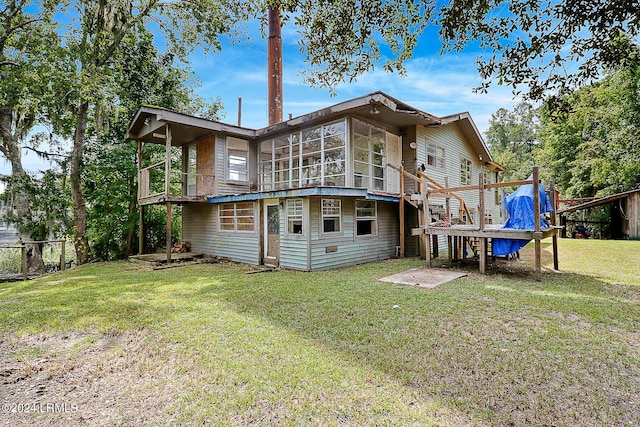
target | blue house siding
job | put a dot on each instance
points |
(200, 227)
(345, 248)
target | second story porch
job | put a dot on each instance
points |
(177, 158)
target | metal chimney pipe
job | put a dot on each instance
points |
(274, 68)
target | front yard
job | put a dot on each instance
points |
(121, 344)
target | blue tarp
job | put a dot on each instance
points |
(519, 206)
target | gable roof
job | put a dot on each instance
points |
(378, 107)
(468, 128)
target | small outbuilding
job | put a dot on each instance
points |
(610, 217)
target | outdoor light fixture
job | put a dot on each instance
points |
(413, 145)
(374, 108)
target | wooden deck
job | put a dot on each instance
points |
(491, 231)
(482, 232)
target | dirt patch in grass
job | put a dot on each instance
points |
(85, 379)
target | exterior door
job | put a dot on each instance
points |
(272, 232)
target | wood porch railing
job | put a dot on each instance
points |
(152, 182)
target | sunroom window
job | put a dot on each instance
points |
(369, 156)
(313, 156)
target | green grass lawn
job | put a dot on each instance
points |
(210, 344)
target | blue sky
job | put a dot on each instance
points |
(438, 84)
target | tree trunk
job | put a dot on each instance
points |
(132, 209)
(10, 147)
(80, 240)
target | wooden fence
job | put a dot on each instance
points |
(23, 247)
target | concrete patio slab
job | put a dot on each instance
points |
(427, 278)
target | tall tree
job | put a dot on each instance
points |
(590, 136)
(94, 38)
(26, 61)
(142, 76)
(512, 138)
(546, 45)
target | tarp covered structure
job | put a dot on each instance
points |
(519, 207)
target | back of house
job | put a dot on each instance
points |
(319, 191)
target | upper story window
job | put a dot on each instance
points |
(237, 159)
(313, 156)
(435, 155)
(192, 167)
(465, 171)
(369, 156)
(331, 215)
(488, 176)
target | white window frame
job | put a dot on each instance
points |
(373, 219)
(439, 161)
(238, 171)
(325, 214)
(236, 218)
(295, 213)
(466, 171)
(369, 163)
(294, 170)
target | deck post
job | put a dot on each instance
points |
(401, 211)
(167, 161)
(483, 255)
(140, 147)
(426, 218)
(536, 221)
(141, 219)
(481, 242)
(141, 232)
(63, 256)
(554, 238)
(23, 262)
(423, 238)
(168, 232)
(448, 213)
(481, 201)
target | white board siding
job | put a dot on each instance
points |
(200, 227)
(353, 249)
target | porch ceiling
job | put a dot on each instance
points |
(148, 125)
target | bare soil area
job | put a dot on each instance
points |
(85, 379)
